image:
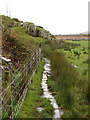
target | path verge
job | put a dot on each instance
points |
(34, 100)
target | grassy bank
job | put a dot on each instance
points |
(34, 99)
(67, 83)
(69, 88)
(17, 45)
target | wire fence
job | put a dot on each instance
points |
(0, 59)
(15, 86)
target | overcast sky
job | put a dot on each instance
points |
(57, 16)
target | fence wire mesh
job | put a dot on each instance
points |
(0, 65)
(15, 86)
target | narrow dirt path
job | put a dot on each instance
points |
(48, 95)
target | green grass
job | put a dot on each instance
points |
(34, 100)
(78, 56)
(69, 85)
(76, 52)
(71, 90)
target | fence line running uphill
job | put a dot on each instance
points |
(14, 87)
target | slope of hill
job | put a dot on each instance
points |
(21, 38)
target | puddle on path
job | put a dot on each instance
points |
(39, 109)
(48, 95)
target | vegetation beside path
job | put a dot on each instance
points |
(34, 100)
(68, 84)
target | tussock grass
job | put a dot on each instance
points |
(65, 77)
(69, 93)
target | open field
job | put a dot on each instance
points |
(78, 56)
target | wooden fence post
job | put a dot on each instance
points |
(36, 61)
(26, 74)
(8, 92)
(0, 95)
(39, 52)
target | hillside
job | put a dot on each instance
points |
(21, 38)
